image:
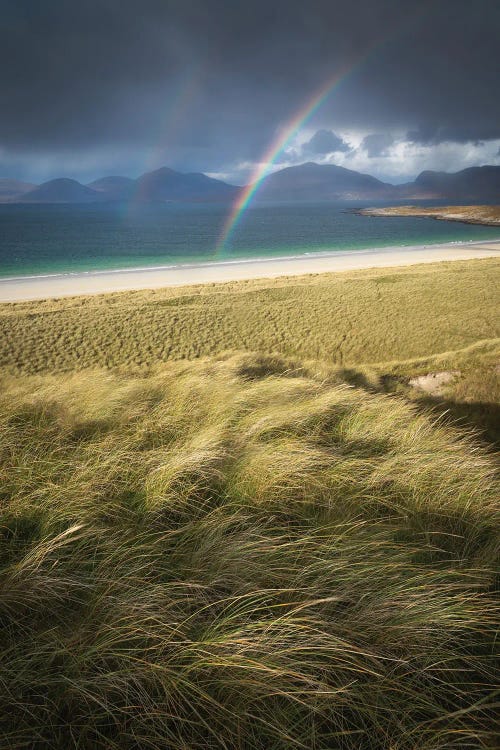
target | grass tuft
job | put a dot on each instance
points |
(241, 553)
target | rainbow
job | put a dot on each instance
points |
(298, 121)
(177, 106)
(273, 151)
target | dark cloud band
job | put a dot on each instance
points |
(113, 73)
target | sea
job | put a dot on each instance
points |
(40, 240)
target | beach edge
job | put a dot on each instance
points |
(32, 288)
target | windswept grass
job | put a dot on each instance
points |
(344, 319)
(289, 549)
(241, 553)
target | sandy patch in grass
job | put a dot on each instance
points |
(434, 382)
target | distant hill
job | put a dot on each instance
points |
(161, 185)
(304, 182)
(114, 188)
(12, 189)
(469, 184)
(311, 182)
(61, 190)
(169, 185)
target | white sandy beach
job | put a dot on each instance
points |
(16, 289)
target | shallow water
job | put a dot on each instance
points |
(46, 239)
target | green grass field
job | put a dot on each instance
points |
(347, 318)
(284, 549)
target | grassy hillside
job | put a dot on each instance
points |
(346, 319)
(290, 549)
(240, 553)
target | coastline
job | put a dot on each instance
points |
(24, 288)
(488, 216)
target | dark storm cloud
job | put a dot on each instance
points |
(433, 134)
(325, 142)
(377, 144)
(209, 82)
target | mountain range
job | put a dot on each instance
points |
(305, 182)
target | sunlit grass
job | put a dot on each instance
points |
(345, 319)
(289, 549)
(243, 552)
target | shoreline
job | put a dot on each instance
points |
(25, 288)
(487, 216)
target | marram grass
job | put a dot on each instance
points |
(345, 319)
(240, 554)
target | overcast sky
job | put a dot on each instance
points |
(125, 86)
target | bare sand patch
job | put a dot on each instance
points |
(434, 382)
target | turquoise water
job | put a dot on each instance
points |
(52, 239)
